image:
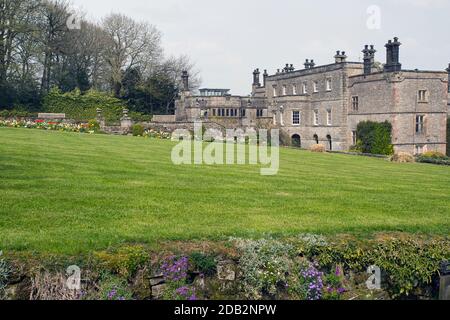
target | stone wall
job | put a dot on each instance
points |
(393, 97)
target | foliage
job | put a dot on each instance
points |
(409, 264)
(448, 137)
(5, 271)
(46, 125)
(434, 158)
(204, 263)
(334, 285)
(123, 261)
(82, 107)
(157, 134)
(94, 125)
(435, 155)
(137, 130)
(265, 265)
(175, 272)
(16, 113)
(306, 283)
(113, 288)
(442, 162)
(375, 138)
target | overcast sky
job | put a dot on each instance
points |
(228, 39)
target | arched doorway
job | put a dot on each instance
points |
(316, 139)
(296, 141)
(330, 143)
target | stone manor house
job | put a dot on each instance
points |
(324, 104)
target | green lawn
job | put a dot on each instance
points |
(70, 193)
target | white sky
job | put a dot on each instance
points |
(228, 39)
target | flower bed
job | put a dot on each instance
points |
(91, 127)
(47, 125)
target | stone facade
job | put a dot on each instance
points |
(324, 104)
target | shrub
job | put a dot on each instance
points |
(410, 265)
(334, 285)
(318, 148)
(375, 138)
(203, 263)
(123, 261)
(175, 272)
(137, 130)
(443, 162)
(94, 125)
(16, 114)
(4, 274)
(448, 137)
(307, 283)
(435, 155)
(403, 157)
(83, 107)
(113, 288)
(265, 266)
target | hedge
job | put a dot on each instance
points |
(375, 138)
(83, 107)
(448, 137)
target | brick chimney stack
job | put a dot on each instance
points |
(393, 56)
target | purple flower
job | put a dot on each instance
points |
(338, 271)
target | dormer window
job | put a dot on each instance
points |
(284, 90)
(294, 89)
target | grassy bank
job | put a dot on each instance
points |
(71, 193)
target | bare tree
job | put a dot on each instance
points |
(15, 20)
(53, 30)
(172, 69)
(131, 44)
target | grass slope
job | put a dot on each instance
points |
(70, 193)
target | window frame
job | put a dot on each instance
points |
(305, 87)
(355, 103)
(420, 124)
(316, 119)
(299, 118)
(329, 117)
(422, 96)
(315, 86)
(329, 84)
